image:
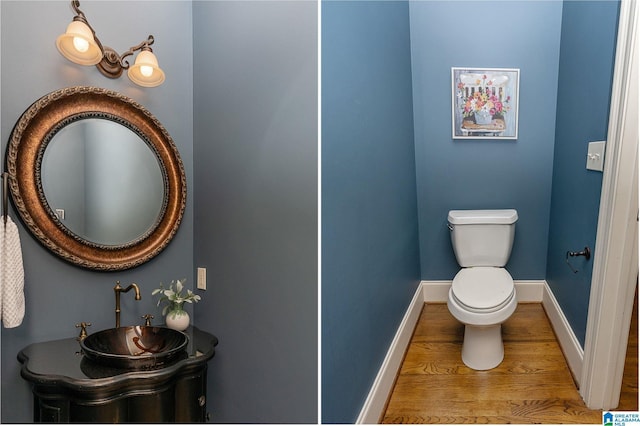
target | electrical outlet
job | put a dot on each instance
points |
(202, 278)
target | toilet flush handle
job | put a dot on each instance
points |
(450, 226)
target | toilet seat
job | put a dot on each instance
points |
(483, 289)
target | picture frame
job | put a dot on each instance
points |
(484, 103)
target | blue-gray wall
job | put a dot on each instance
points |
(370, 264)
(484, 174)
(59, 295)
(584, 89)
(256, 142)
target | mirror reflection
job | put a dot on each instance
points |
(103, 182)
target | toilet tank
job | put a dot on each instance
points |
(482, 237)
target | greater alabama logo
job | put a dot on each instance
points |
(621, 418)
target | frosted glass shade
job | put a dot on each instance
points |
(145, 71)
(78, 45)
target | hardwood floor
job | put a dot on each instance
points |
(532, 385)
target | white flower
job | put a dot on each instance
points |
(174, 298)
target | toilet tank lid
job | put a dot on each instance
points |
(470, 217)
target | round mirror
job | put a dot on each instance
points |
(96, 178)
(103, 182)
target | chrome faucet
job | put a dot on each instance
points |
(118, 289)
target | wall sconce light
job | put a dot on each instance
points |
(80, 44)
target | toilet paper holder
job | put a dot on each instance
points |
(586, 253)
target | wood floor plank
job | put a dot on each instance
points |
(435, 408)
(555, 410)
(483, 387)
(548, 411)
(533, 384)
(448, 420)
(445, 358)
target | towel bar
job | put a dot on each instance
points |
(5, 196)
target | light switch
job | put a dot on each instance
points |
(202, 278)
(595, 156)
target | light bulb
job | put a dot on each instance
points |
(146, 70)
(80, 44)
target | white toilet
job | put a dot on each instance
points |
(482, 295)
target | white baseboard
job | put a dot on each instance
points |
(438, 292)
(527, 291)
(573, 352)
(373, 407)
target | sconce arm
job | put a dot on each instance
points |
(113, 64)
(142, 46)
(75, 4)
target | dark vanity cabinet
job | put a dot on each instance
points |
(68, 387)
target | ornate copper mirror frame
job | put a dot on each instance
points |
(30, 136)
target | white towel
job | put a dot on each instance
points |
(11, 275)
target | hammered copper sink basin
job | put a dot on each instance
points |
(134, 347)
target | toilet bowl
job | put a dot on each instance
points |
(482, 295)
(482, 298)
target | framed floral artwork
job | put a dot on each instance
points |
(485, 103)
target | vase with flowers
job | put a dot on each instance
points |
(174, 299)
(483, 101)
